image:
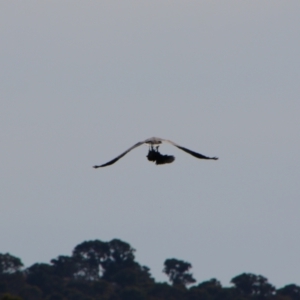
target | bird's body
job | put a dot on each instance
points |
(159, 159)
(154, 141)
(154, 155)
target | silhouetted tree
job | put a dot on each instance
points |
(108, 271)
(39, 273)
(65, 266)
(121, 268)
(90, 256)
(178, 272)
(210, 285)
(120, 251)
(9, 264)
(206, 290)
(291, 290)
(43, 276)
(253, 285)
(112, 261)
(120, 256)
(11, 277)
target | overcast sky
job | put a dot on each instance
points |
(82, 81)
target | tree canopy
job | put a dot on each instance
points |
(9, 264)
(108, 270)
(178, 272)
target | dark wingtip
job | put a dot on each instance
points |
(215, 158)
(96, 167)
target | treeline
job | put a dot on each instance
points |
(108, 271)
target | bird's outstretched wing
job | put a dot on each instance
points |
(195, 154)
(120, 156)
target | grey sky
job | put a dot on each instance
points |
(82, 81)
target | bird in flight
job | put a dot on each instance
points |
(154, 155)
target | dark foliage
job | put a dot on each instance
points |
(178, 272)
(9, 264)
(291, 291)
(108, 271)
(253, 285)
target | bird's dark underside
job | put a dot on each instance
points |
(159, 159)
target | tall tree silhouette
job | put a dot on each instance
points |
(178, 272)
(90, 257)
